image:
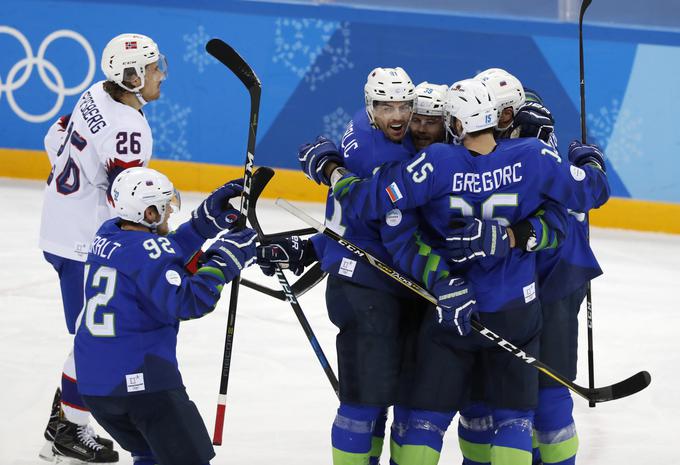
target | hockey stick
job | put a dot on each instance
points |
(232, 60)
(260, 179)
(589, 296)
(624, 388)
(307, 281)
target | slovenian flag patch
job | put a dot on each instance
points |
(394, 192)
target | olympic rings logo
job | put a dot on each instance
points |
(49, 74)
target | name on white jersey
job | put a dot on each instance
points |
(103, 247)
(487, 181)
(91, 114)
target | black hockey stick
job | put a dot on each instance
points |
(313, 276)
(589, 296)
(624, 388)
(232, 60)
(260, 180)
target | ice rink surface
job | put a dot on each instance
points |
(280, 406)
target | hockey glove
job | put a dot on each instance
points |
(313, 158)
(586, 154)
(474, 238)
(232, 253)
(535, 120)
(215, 213)
(290, 253)
(456, 304)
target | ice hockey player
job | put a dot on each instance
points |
(563, 275)
(427, 122)
(480, 176)
(106, 133)
(136, 293)
(377, 319)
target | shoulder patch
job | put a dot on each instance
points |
(173, 277)
(577, 173)
(393, 217)
(393, 192)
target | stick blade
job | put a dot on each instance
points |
(226, 55)
(625, 388)
(584, 6)
(261, 177)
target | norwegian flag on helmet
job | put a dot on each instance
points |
(131, 45)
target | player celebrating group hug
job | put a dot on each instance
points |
(489, 218)
(461, 187)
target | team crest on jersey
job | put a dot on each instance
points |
(393, 192)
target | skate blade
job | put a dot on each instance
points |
(46, 452)
(72, 461)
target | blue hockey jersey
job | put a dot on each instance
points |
(136, 292)
(566, 269)
(508, 185)
(364, 148)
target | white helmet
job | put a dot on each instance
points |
(430, 99)
(126, 56)
(472, 104)
(387, 85)
(506, 88)
(136, 189)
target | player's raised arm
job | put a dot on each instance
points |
(580, 185)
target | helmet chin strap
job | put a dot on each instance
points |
(456, 139)
(140, 99)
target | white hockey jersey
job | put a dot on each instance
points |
(102, 137)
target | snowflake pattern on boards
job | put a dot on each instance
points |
(168, 123)
(335, 123)
(302, 45)
(195, 49)
(625, 148)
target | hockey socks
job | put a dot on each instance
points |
(511, 441)
(352, 434)
(378, 438)
(475, 428)
(555, 428)
(72, 404)
(398, 432)
(424, 437)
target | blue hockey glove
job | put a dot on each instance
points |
(535, 120)
(215, 213)
(456, 304)
(474, 238)
(290, 253)
(586, 154)
(313, 157)
(232, 253)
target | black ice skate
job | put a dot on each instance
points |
(56, 415)
(76, 444)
